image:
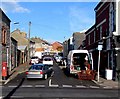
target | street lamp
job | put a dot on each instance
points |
(29, 41)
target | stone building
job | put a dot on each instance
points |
(5, 41)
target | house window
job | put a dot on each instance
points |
(100, 32)
(88, 39)
(112, 12)
(4, 34)
(94, 36)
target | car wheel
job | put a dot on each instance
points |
(46, 76)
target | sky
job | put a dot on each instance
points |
(51, 21)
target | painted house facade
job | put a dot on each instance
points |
(77, 39)
(102, 32)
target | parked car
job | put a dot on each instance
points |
(34, 60)
(48, 60)
(39, 71)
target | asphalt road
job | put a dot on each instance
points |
(59, 86)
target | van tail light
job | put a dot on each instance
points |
(72, 67)
(41, 72)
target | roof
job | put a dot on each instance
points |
(99, 4)
(13, 39)
(91, 28)
(39, 40)
(19, 36)
(56, 45)
(39, 49)
(3, 14)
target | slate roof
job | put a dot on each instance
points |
(17, 35)
(39, 40)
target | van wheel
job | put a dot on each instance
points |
(45, 76)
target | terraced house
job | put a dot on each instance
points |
(5, 55)
(105, 31)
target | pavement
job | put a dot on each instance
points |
(104, 82)
(23, 67)
(107, 83)
(18, 70)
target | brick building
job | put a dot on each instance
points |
(103, 31)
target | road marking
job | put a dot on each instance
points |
(26, 86)
(7, 81)
(17, 97)
(67, 86)
(12, 86)
(49, 84)
(116, 86)
(108, 87)
(100, 84)
(39, 85)
(80, 86)
(1, 97)
(52, 74)
(54, 86)
(94, 87)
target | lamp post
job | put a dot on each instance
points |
(100, 46)
(29, 41)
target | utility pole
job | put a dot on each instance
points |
(29, 42)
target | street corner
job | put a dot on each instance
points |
(100, 83)
(10, 78)
(2, 82)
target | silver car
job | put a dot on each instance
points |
(39, 71)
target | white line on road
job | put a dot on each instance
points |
(7, 81)
(12, 86)
(80, 86)
(67, 85)
(107, 87)
(94, 87)
(50, 81)
(54, 86)
(17, 97)
(26, 86)
(39, 85)
(1, 97)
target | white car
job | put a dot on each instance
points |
(58, 58)
(34, 60)
(48, 60)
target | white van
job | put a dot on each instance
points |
(76, 60)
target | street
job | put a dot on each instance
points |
(57, 86)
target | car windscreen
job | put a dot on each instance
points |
(36, 67)
(34, 57)
(47, 59)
